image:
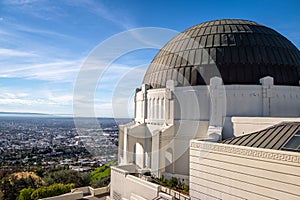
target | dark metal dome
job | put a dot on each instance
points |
(243, 51)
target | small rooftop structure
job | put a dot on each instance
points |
(283, 136)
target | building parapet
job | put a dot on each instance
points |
(175, 194)
(68, 196)
(124, 169)
(270, 154)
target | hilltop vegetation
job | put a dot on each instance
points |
(101, 176)
(45, 191)
(30, 186)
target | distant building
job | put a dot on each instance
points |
(210, 112)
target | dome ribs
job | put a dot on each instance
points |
(243, 51)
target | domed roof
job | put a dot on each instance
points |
(242, 51)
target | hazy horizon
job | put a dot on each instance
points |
(43, 45)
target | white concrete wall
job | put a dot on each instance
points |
(191, 110)
(220, 171)
(245, 125)
(126, 186)
(285, 101)
(194, 103)
(244, 100)
(68, 196)
(99, 191)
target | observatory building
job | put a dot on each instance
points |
(219, 109)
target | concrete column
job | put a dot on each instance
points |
(169, 101)
(150, 108)
(267, 93)
(167, 105)
(121, 145)
(163, 109)
(154, 108)
(217, 109)
(155, 154)
(148, 152)
(125, 150)
(135, 102)
(145, 87)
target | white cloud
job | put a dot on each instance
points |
(20, 2)
(66, 99)
(63, 71)
(27, 29)
(5, 33)
(15, 53)
(5, 95)
(20, 101)
(41, 101)
(119, 18)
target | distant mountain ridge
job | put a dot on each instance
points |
(56, 115)
(21, 113)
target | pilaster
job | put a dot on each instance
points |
(267, 93)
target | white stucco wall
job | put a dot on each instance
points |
(237, 126)
(68, 196)
(220, 171)
(232, 109)
(126, 186)
(194, 103)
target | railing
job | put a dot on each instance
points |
(145, 178)
(177, 195)
(89, 191)
(173, 193)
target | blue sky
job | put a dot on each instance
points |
(43, 43)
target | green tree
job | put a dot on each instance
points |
(14, 183)
(7, 188)
(67, 177)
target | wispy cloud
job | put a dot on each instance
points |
(44, 32)
(42, 9)
(9, 95)
(28, 100)
(39, 60)
(14, 53)
(61, 71)
(21, 101)
(47, 10)
(118, 17)
(2, 32)
(19, 2)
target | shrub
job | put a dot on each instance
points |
(173, 182)
(100, 177)
(67, 177)
(186, 188)
(100, 182)
(96, 175)
(147, 173)
(52, 190)
(25, 194)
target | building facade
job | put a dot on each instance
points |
(217, 80)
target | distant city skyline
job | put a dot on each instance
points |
(43, 43)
